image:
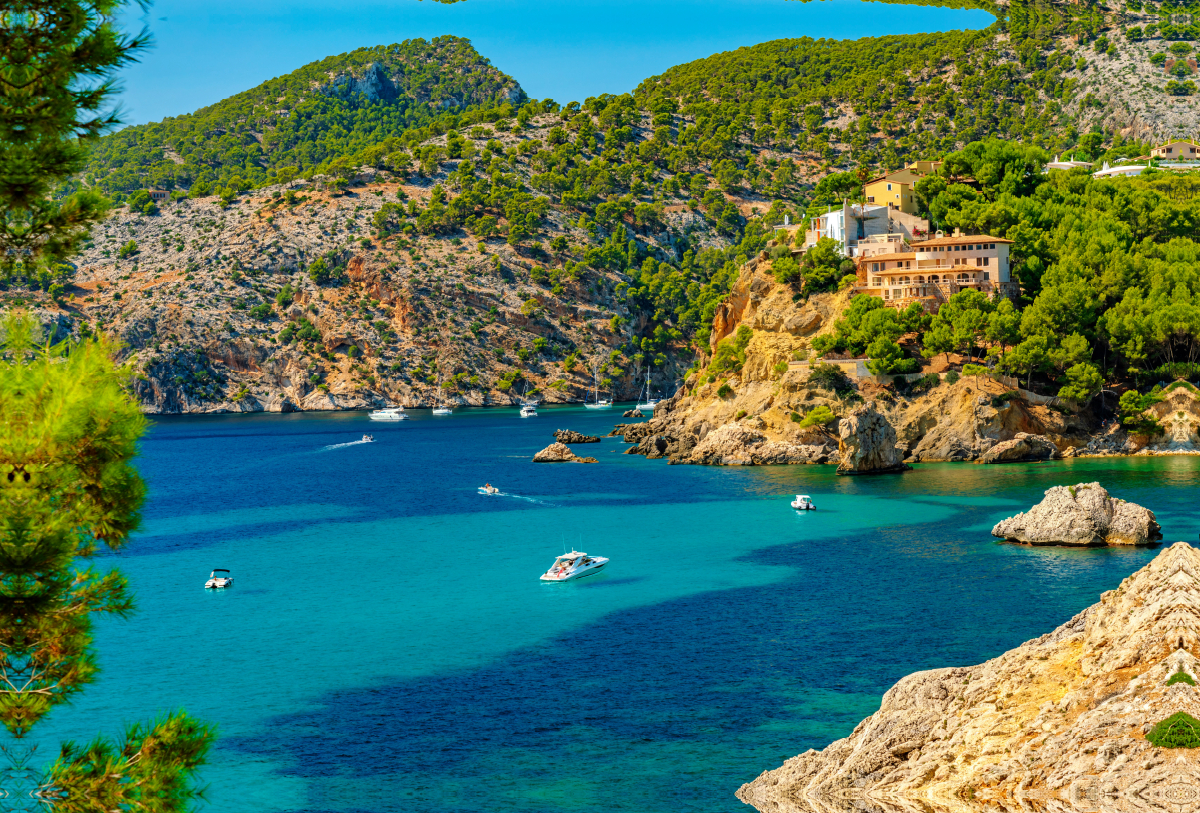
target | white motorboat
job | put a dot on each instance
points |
(389, 414)
(443, 410)
(368, 439)
(528, 411)
(574, 565)
(216, 581)
(803, 503)
(488, 488)
(649, 403)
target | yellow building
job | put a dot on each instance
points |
(896, 189)
(1179, 149)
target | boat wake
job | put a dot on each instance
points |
(517, 497)
(344, 445)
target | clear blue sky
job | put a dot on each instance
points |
(207, 50)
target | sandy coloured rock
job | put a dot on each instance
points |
(1083, 515)
(1023, 447)
(1057, 724)
(867, 444)
(560, 453)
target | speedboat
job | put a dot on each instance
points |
(803, 503)
(528, 411)
(443, 410)
(368, 439)
(488, 489)
(215, 581)
(573, 565)
(389, 414)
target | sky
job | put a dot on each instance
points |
(565, 50)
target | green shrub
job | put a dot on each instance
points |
(725, 391)
(741, 413)
(1004, 397)
(952, 377)
(781, 367)
(127, 250)
(1181, 677)
(819, 416)
(796, 417)
(261, 311)
(830, 377)
(1180, 730)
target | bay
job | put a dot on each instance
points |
(387, 645)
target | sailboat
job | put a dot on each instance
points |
(649, 404)
(596, 402)
(442, 408)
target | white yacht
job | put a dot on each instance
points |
(389, 414)
(597, 402)
(215, 580)
(803, 503)
(574, 565)
(528, 411)
(649, 404)
(443, 410)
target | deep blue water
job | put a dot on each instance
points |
(388, 647)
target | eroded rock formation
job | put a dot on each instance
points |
(867, 444)
(1021, 448)
(1057, 724)
(560, 453)
(1082, 514)
(571, 436)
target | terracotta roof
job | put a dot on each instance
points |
(906, 176)
(966, 239)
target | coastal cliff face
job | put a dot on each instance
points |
(755, 415)
(1059, 723)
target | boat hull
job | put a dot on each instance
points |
(389, 417)
(579, 574)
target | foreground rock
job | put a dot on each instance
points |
(1082, 515)
(1024, 447)
(560, 453)
(1057, 724)
(867, 444)
(568, 436)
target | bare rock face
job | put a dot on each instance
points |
(735, 444)
(1082, 515)
(1023, 447)
(560, 453)
(868, 444)
(569, 436)
(1057, 724)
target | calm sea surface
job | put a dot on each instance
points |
(388, 646)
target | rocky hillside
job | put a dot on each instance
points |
(1100, 714)
(761, 407)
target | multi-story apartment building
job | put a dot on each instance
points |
(932, 271)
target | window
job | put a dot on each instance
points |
(876, 281)
(963, 277)
(991, 245)
(889, 187)
(921, 280)
(870, 198)
(875, 268)
(985, 261)
(985, 275)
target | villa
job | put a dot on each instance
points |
(931, 271)
(1180, 149)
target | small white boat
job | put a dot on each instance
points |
(443, 410)
(389, 414)
(488, 489)
(368, 439)
(803, 503)
(598, 403)
(574, 565)
(215, 581)
(528, 411)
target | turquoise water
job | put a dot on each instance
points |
(388, 646)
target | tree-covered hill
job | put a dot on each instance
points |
(305, 121)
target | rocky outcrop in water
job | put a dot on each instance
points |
(867, 444)
(1060, 723)
(1083, 515)
(570, 436)
(735, 444)
(560, 453)
(1024, 447)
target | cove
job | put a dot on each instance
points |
(388, 646)
(562, 51)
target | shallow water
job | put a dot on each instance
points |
(387, 645)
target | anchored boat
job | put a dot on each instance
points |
(217, 581)
(803, 503)
(574, 565)
(389, 414)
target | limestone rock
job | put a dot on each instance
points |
(868, 444)
(737, 445)
(1083, 514)
(1057, 724)
(560, 453)
(632, 413)
(569, 436)
(1021, 448)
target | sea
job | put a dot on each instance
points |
(387, 644)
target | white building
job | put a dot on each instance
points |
(849, 224)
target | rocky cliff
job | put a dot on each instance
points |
(1068, 721)
(1081, 515)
